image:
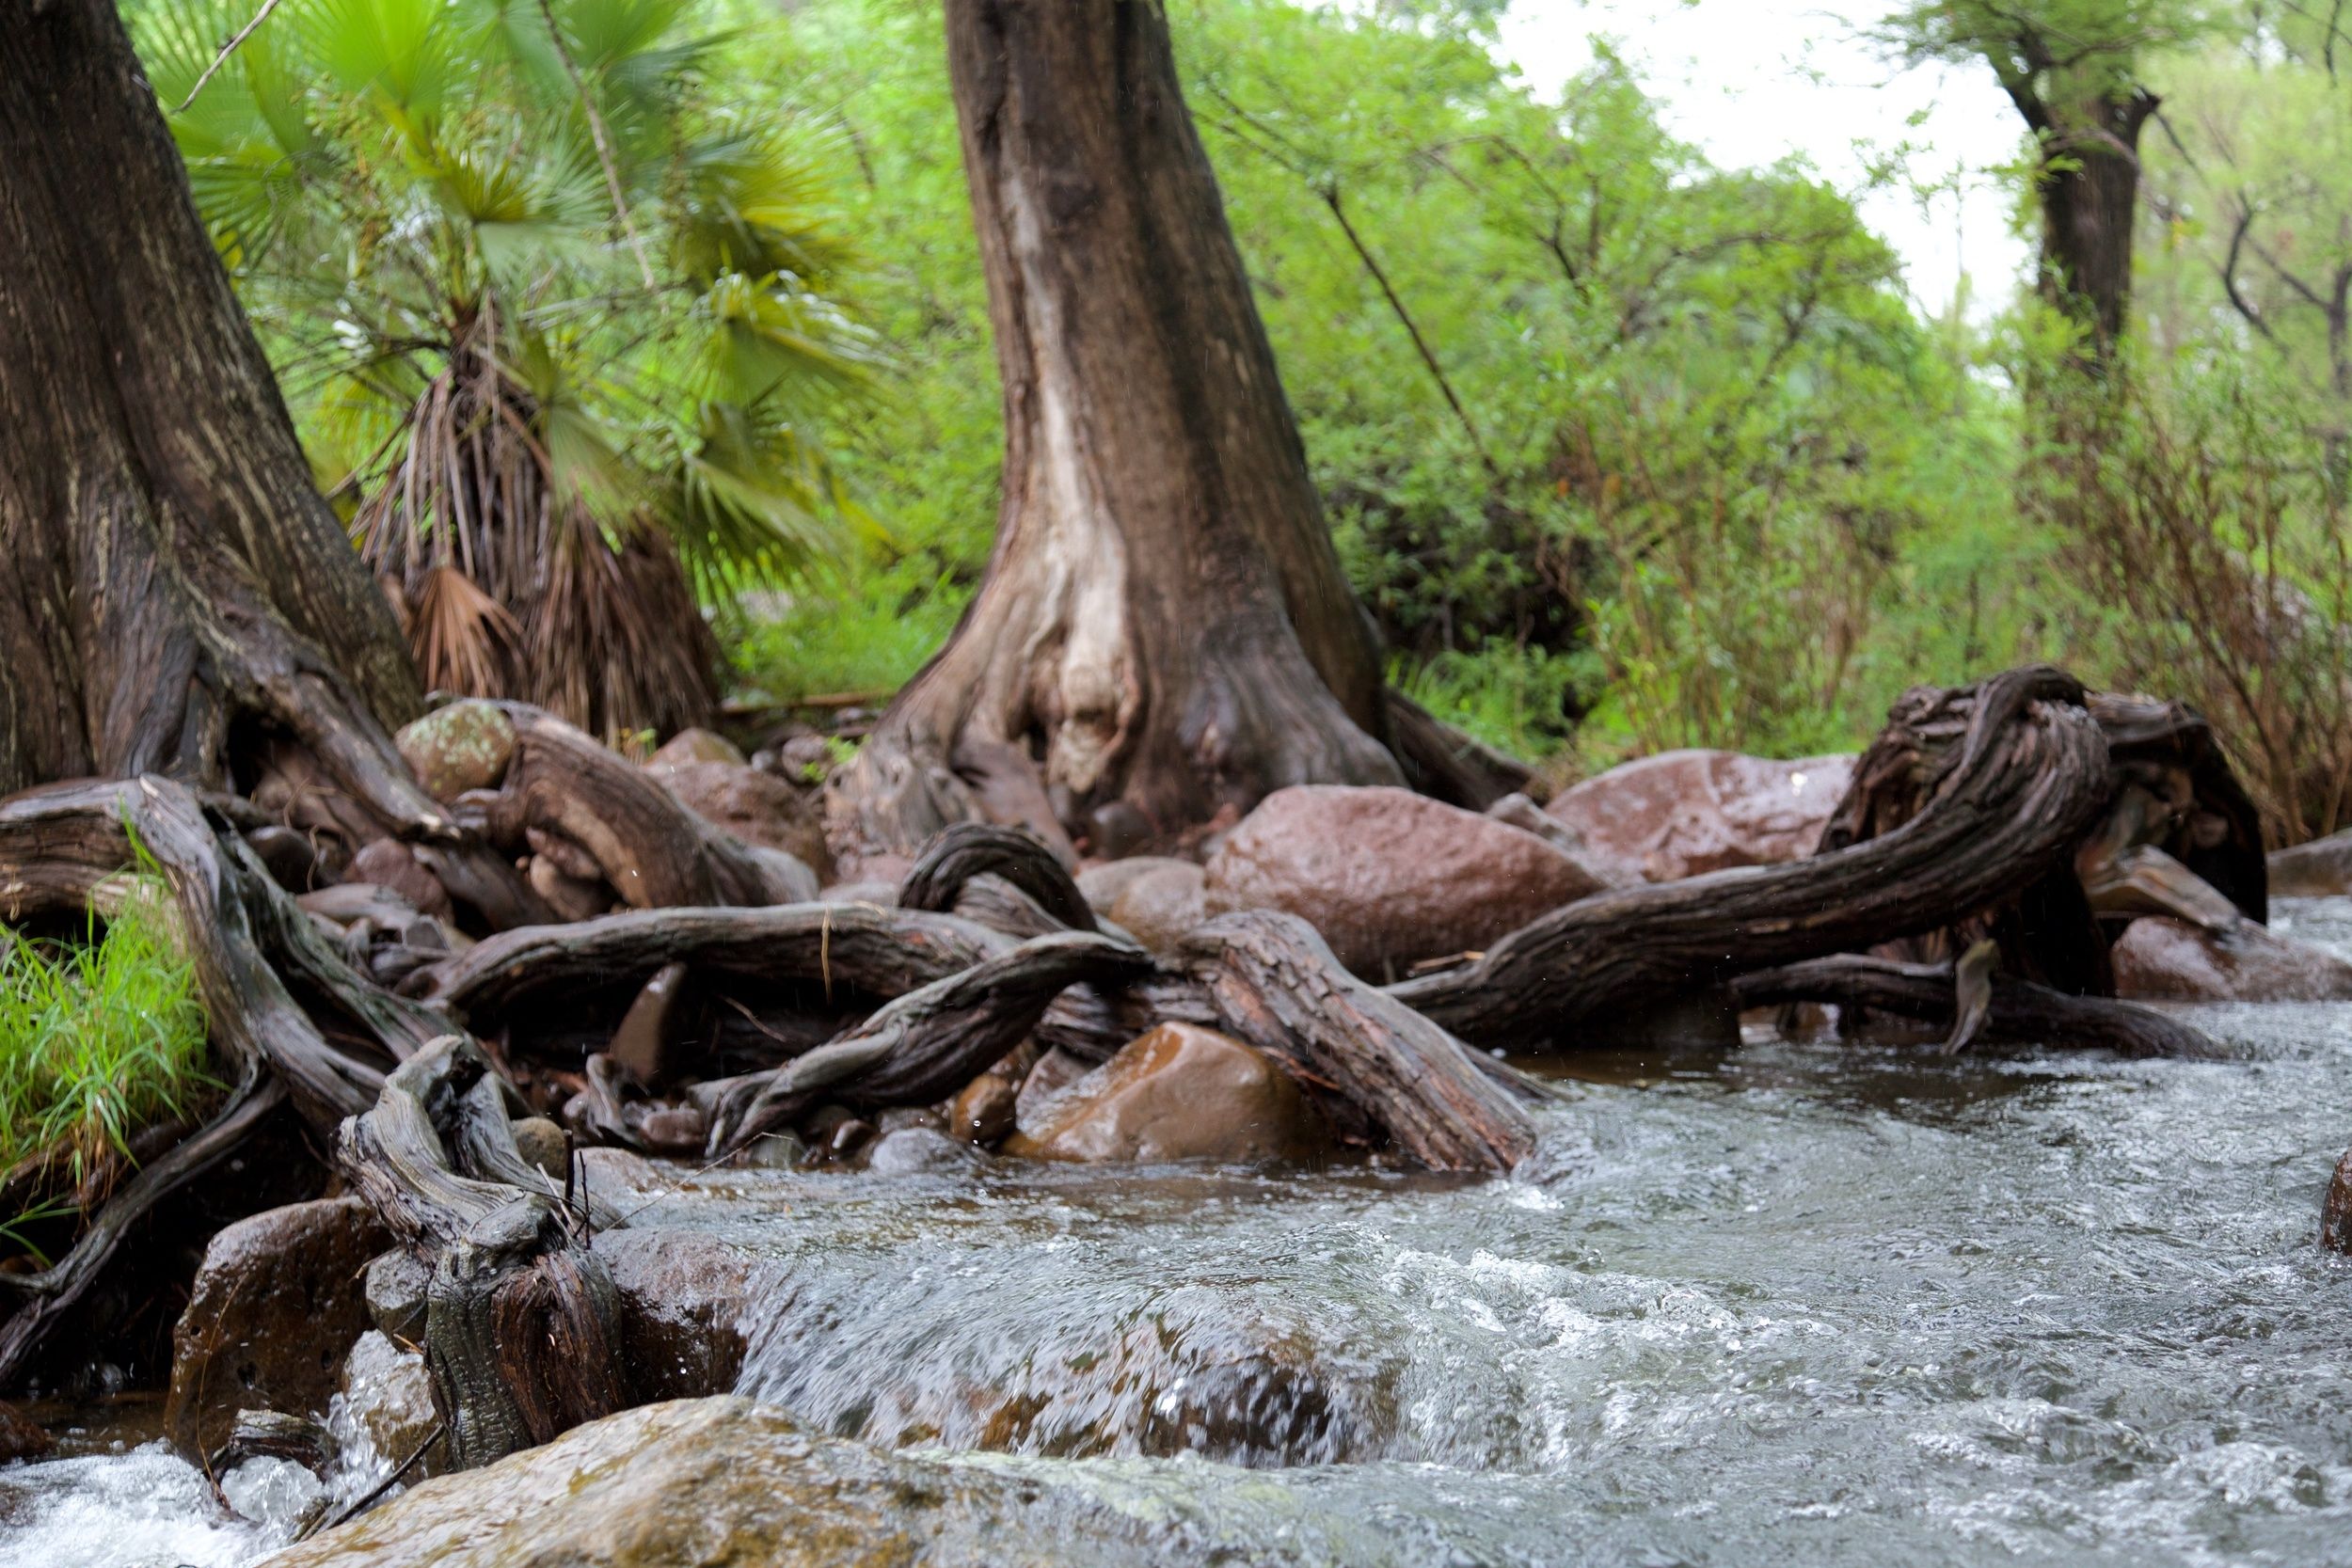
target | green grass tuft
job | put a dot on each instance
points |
(101, 1039)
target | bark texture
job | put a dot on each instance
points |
(1164, 629)
(167, 573)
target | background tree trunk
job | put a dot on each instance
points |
(2089, 203)
(166, 568)
(1164, 629)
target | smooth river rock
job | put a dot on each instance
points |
(2320, 869)
(1155, 899)
(759, 808)
(1178, 1093)
(696, 744)
(2159, 958)
(1389, 877)
(276, 1305)
(725, 1483)
(1683, 813)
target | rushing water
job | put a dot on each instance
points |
(1800, 1304)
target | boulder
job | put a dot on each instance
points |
(275, 1307)
(2320, 869)
(682, 1299)
(2159, 958)
(1389, 877)
(1683, 813)
(1160, 907)
(391, 865)
(922, 1152)
(2335, 1211)
(385, 1405)
(696, 744)
(463, 746)
(1178, 1093)
(983, 1110)
(727, 1480)
(1054, 1075)
(759, 808)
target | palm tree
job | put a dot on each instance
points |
(557, 320)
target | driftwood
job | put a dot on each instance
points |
(928, 1043)
(2020, 775)
(522, 1321)
(1367, 1059)
(602, 821)
(2022, 1012)
(968, 849)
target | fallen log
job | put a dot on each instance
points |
(2010, 775)
(522, 1321)
(2022, 1012)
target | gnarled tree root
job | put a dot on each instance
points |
(2024, 774)
(522, 1321)
(2022, 1012)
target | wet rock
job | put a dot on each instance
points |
(2335, 1213)
(394, 1288)
(728, 1481)
(922, 1150)
(1387, 877)
(385, 1405)
(1056, 1073)
(1178, 1093)
(2162, 959)
(275, 1307)
(896, 1118)
(572, 898)
(983, 1110)
(696, 744)
(682, 1299)
(2320, 869)
(463, 746)
(759, 808)
(21, 1436)
(1683, 813)
(275, 1434)
(390, 864)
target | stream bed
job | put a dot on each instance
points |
(1796, 1304)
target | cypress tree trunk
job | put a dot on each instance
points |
(2089, 203)
(171, 582)
(1164, 630)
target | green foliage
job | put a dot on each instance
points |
(101, 1038)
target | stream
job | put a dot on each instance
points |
(1795, 1304)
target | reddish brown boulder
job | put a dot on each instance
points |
(1389, 877)
(2159, 958)
(983, 1110)
(759, 808)
(1683, 813)
(1161, 903)
(275, 1307)
(1178, 1093)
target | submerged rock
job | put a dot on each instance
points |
(1683, 813)
(728, 1481)
(2335, 1213)
(2159, 958)
(383, 1412)
(275, 1307)
(923, 1151)
(2320, 869)
(1389, 877)
(1178, 1093)
(759, 808)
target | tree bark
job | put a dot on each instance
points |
(168, 575)
(2089, 192)
(1164, 630)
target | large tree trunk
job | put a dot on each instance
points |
(2089, 188)
(1164, 629)
(171, 582)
